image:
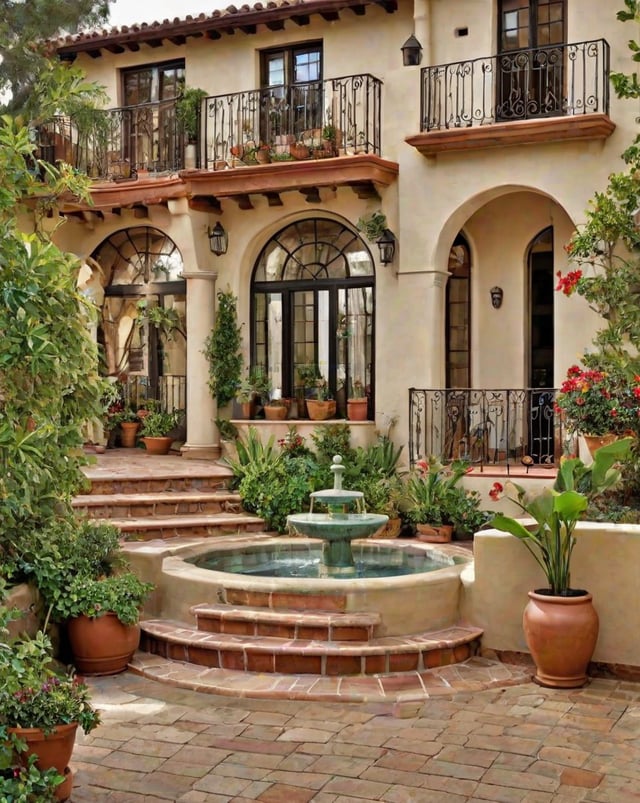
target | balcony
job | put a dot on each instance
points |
(116, 144)
(317, 120)
(303, 137)
(522, 97)
(511, 429)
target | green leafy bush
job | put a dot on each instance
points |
(122, 594)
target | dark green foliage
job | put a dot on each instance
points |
(274, 492)
(222, 349)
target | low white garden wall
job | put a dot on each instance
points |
(606, 562)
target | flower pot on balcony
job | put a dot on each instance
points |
(275, 412)
(263, 157)
(299, 151)
(321, 410)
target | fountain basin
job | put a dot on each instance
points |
(407, 604)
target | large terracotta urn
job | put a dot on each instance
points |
(102, 645)
(128, 432)
(561, 632)
(595, 442)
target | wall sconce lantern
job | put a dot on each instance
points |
(411, 52)
(387, 245)
(496, 297)
(218, 239)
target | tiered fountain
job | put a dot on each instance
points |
(344, 521)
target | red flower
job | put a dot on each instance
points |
(496, 491)
(569, 282)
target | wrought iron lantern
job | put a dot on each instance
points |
(411, 52)
(387, 244)
(218, 239)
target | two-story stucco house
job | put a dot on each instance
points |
(478, 128)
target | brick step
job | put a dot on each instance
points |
(286, 623)
(143, 483)
(202, 526)
(406, 689)
(163, 503)
(179, 642)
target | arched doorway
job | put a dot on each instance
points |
(143, 327)
(541, 346)
(313, 303)
(458, 313)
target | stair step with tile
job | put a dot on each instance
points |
(288, 624)
(148, 528)
(157, 483)
(164, 503)
(180, 642)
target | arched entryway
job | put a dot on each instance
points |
(313, 304)
(142, 329)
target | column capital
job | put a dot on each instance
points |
(210, 275)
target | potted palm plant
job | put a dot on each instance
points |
(560, 622)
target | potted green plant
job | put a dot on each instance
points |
(382, 494)
(276, 409)
(129, 423)
(85, 584)
(373, 226)
(357, 403)
(322, 406)
(40, 711)
(428, 498)
(188, 108)
(560, 622)
(155, 429)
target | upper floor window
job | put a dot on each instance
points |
(152, 83)
(291, 90)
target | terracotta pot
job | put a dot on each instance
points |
(102, 646)
(434, 535)
(299, 151)
(128, 432)
(561, 633)
(595, 442)
(320, 410)
(52, 750)
(275, 412)
(263, 157)
(357, 409)
(157, 445)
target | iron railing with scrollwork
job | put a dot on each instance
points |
(169, 391)
(486, 426)
(344, 111)
(116, 143)
(552, 81)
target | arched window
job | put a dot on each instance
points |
(143, 330)
(312, 298)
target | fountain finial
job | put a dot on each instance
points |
(338, 471)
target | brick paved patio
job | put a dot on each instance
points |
(521, 744)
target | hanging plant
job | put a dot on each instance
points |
(373, 226)
(222, 350)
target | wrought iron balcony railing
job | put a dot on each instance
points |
(512, 427)
(116, 143)
(338, 116)
(553, 81)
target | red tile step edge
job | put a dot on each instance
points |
(288, 624)
(162, 503)
(194, 526)
(475, 674)
(180, 642)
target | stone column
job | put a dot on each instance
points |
(202, 409)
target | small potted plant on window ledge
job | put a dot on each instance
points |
(276, 409)
(357, 403)
(155, 430)
(322, 407)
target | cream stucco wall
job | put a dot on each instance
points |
(605, 562)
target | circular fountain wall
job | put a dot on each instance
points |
(410, 603)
